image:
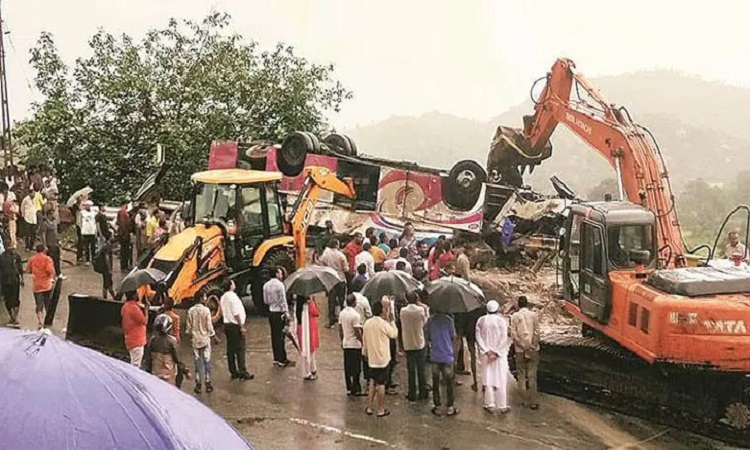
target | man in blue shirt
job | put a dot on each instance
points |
(440, 332)
(274, 295)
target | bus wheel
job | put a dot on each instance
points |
(462, 186)
(293, 151)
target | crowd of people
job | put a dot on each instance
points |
(373, 334)
(33, 221)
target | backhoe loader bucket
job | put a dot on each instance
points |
(96, 323)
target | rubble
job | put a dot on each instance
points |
(541, 288)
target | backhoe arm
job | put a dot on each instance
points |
(317, 179)
(628, 147)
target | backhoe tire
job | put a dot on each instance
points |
(339, 143)
(462, 186)
(278, 257)
(213, 292)
(291, 156)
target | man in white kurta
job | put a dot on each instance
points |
(492, 347)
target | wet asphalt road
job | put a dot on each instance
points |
(278, 410)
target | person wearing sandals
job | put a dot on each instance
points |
(492, 344)
(350, 333)
(307, 313)
(440, 333)
(376, 347)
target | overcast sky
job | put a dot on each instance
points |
(472, 58)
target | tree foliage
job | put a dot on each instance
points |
(182, 87)
(701, 207)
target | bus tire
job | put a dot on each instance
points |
(462, 186)
(354, 150)
(291, 156)
(315, 142)
(339, 144)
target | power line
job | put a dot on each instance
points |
(5, 140)
(32, 90)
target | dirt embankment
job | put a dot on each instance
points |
(540, 288)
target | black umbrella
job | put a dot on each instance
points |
(141, 277)
(312, 280)
(452, 295)
(392, 282)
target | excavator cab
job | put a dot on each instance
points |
(601, 238)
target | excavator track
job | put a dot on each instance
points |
(599, 372)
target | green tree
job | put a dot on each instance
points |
(182, 87)
(702, 208)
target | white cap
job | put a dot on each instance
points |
(492, 306)
(366, 241)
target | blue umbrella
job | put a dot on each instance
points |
(59, 395)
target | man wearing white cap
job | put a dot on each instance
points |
(492, 345)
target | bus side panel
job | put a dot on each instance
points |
(417, 196)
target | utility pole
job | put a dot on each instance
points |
(5, 140)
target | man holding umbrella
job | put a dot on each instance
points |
(274, 295)
(440, 334)
(447, 295)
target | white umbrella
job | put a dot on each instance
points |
(78, 194)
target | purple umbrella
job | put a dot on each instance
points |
(59, 395)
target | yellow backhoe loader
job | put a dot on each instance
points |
(237, 230)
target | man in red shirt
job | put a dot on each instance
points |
(351, 250)
(134, 322)
(42, 270)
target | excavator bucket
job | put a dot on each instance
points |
(510, 155)
(96, 323)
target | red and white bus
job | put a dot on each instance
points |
(389, 193)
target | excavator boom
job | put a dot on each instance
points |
(317, 180)
(569, 98)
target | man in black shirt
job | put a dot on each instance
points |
(11, 280)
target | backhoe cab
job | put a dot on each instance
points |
(235, 228)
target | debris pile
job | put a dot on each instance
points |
(541, 288)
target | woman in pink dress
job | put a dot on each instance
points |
(307, 313)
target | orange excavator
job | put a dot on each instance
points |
(659, 339)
